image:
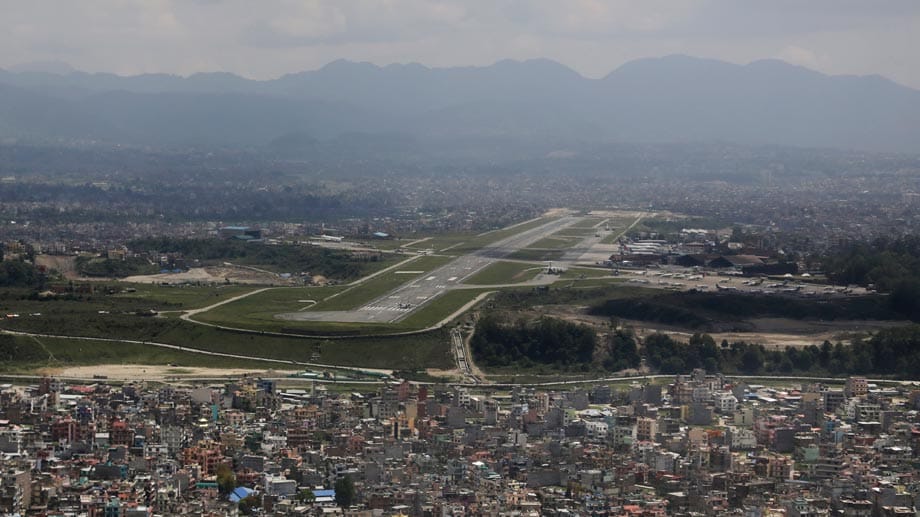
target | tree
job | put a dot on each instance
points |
(622, 351)
(547, 341)
(253, 442)
(306, 496)
(226, 480)
(248, 503)
(672, 365)
(16, 273)
(905, 299)
(752, 359)
(12, 349)
(344, 492)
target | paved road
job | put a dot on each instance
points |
(639, 378)
(400, 302)
(191, 312)
(462, 357)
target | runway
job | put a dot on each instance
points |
(402, 301)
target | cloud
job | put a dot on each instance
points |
(304, 24)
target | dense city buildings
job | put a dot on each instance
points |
(697, 445)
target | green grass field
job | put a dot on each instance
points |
(571, 292)
(262, 307)
(61, 353)
(382, 352)
(19, 302)
(424, 350)
(439, 308)
(387, 244)
(504, 273)
(182, 297)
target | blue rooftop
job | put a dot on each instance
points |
(239, 493)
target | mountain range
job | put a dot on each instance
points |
(667, 99)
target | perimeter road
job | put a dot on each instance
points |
(198, 351)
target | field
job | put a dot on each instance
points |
(569, 293)
(382, 352)
(60, 353)
(388, 244)
(19, 301)
(504, 273)
(737, 312)
(262, 307)
(440, 308)
(180, 296)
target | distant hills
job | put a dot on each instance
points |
(668, 99)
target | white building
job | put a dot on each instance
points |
(725, 402)
(596, 430)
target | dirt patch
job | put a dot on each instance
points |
(452, 374)
(519, 275)
(214, 274)
(139, 372)
(64, 264)
(779, 333)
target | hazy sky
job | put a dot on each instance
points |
(267, 38)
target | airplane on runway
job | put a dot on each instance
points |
(554, 270)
